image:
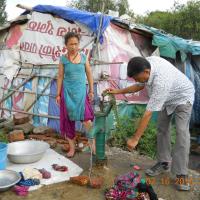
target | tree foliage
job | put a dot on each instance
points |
(3, 14)
(181, 20)
(121, 6)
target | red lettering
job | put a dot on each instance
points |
(61, 31)
(28, 47)
(41, 27)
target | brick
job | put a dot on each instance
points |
(96, 182)
(38, 137)
(62, 141)
(81, 139)
(51, 134)
(16, 135)
(80, 180)
(27, 127)
(20, 118)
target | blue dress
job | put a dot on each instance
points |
(74, 87)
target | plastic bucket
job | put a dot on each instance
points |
(3, 155)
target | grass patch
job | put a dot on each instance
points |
(126, 127)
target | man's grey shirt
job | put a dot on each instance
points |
(167, 86)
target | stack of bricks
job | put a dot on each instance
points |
(18, 135)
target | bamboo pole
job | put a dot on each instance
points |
(44, 67)
(99, 31)
(29, 92)
(10, 93)
(106, 63)
(24, 7)
(30, 113)
(39, 75)
(36, 75)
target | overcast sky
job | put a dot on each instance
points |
(138, 6)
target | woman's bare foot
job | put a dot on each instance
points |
(71, 151)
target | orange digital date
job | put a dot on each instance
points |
(168, 181)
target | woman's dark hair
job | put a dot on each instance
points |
(137, 65)
(71, 35)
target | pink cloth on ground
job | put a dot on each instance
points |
(67, 127)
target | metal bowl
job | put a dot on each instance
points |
(27, 151)
(8, 178)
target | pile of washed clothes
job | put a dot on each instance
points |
(130, 186)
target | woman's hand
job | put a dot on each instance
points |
(91, 96)
(58, 99)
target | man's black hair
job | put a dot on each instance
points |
(71, 35)
(137, 65)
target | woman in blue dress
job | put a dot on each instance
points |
(72, 96)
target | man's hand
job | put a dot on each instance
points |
(111, 91)
(132, 143)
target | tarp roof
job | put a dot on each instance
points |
(91, 20)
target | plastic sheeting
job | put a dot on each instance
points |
(41, 106)
(196, 107)
(53, 108)
(91, 20)
(49, 158)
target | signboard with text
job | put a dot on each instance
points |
(42, 41)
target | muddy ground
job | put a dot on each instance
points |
(118, 163)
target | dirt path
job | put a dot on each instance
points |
(118, 163)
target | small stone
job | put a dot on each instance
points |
(43, 130)
(80, 145)
(27, 127)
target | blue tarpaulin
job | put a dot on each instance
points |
(89, 19)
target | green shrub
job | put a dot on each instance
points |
(3, 136)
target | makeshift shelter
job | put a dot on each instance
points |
(30, 47)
